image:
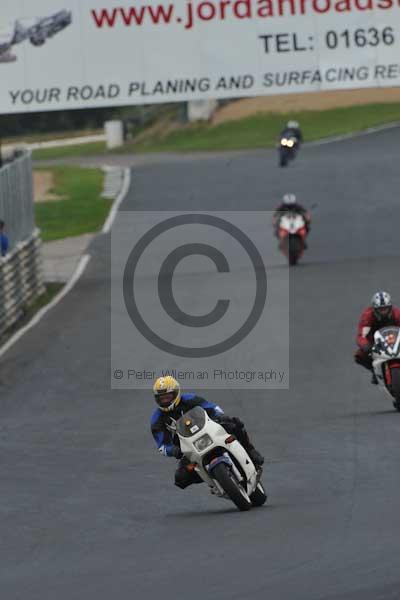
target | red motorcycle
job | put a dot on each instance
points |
(292, 233)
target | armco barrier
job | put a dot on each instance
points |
(21, 280)
(16, 198)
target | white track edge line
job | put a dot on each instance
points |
(354, 134)
(118, 201)
(83, 262)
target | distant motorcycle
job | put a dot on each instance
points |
(386, 362)
(220, 460)
(292, 234)
(288, 149)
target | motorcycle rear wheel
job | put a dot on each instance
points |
(236, 493)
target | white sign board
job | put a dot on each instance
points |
(58, 54)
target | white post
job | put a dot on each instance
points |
(201, 110)
(114, 134)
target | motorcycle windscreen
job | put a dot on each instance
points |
(391, 336)
(191, 422)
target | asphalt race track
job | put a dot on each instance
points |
(87, 505)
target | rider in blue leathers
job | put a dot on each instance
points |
(171, 406)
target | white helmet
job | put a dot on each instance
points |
(289, 199)
(293, 125)
(382, 304)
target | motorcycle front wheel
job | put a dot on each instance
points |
(396, 388)
(231, 487)
(283, 157)
(258, 497)
(295, 249)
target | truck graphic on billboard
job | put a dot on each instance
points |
(37, 31)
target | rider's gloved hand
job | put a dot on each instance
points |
(365, 348)
(231, 424)
(223, 420)
(238, 423)
(387, 348)
(176, 452)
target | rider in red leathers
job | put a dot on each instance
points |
(380, 314)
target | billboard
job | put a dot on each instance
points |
(65, 54)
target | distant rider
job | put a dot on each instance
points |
(380, 314)
(4, 243)
(292, 130)
(172, 404)
(289, 204)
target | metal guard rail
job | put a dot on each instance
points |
(21, 280)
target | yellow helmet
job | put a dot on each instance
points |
(167, 393)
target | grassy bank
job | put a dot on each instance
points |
(258, 131)
(51, 290)
(80, 208)
(262, 130)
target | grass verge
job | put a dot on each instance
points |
(91, 149)
(258, 131)
(30, 311)
(81, 209)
